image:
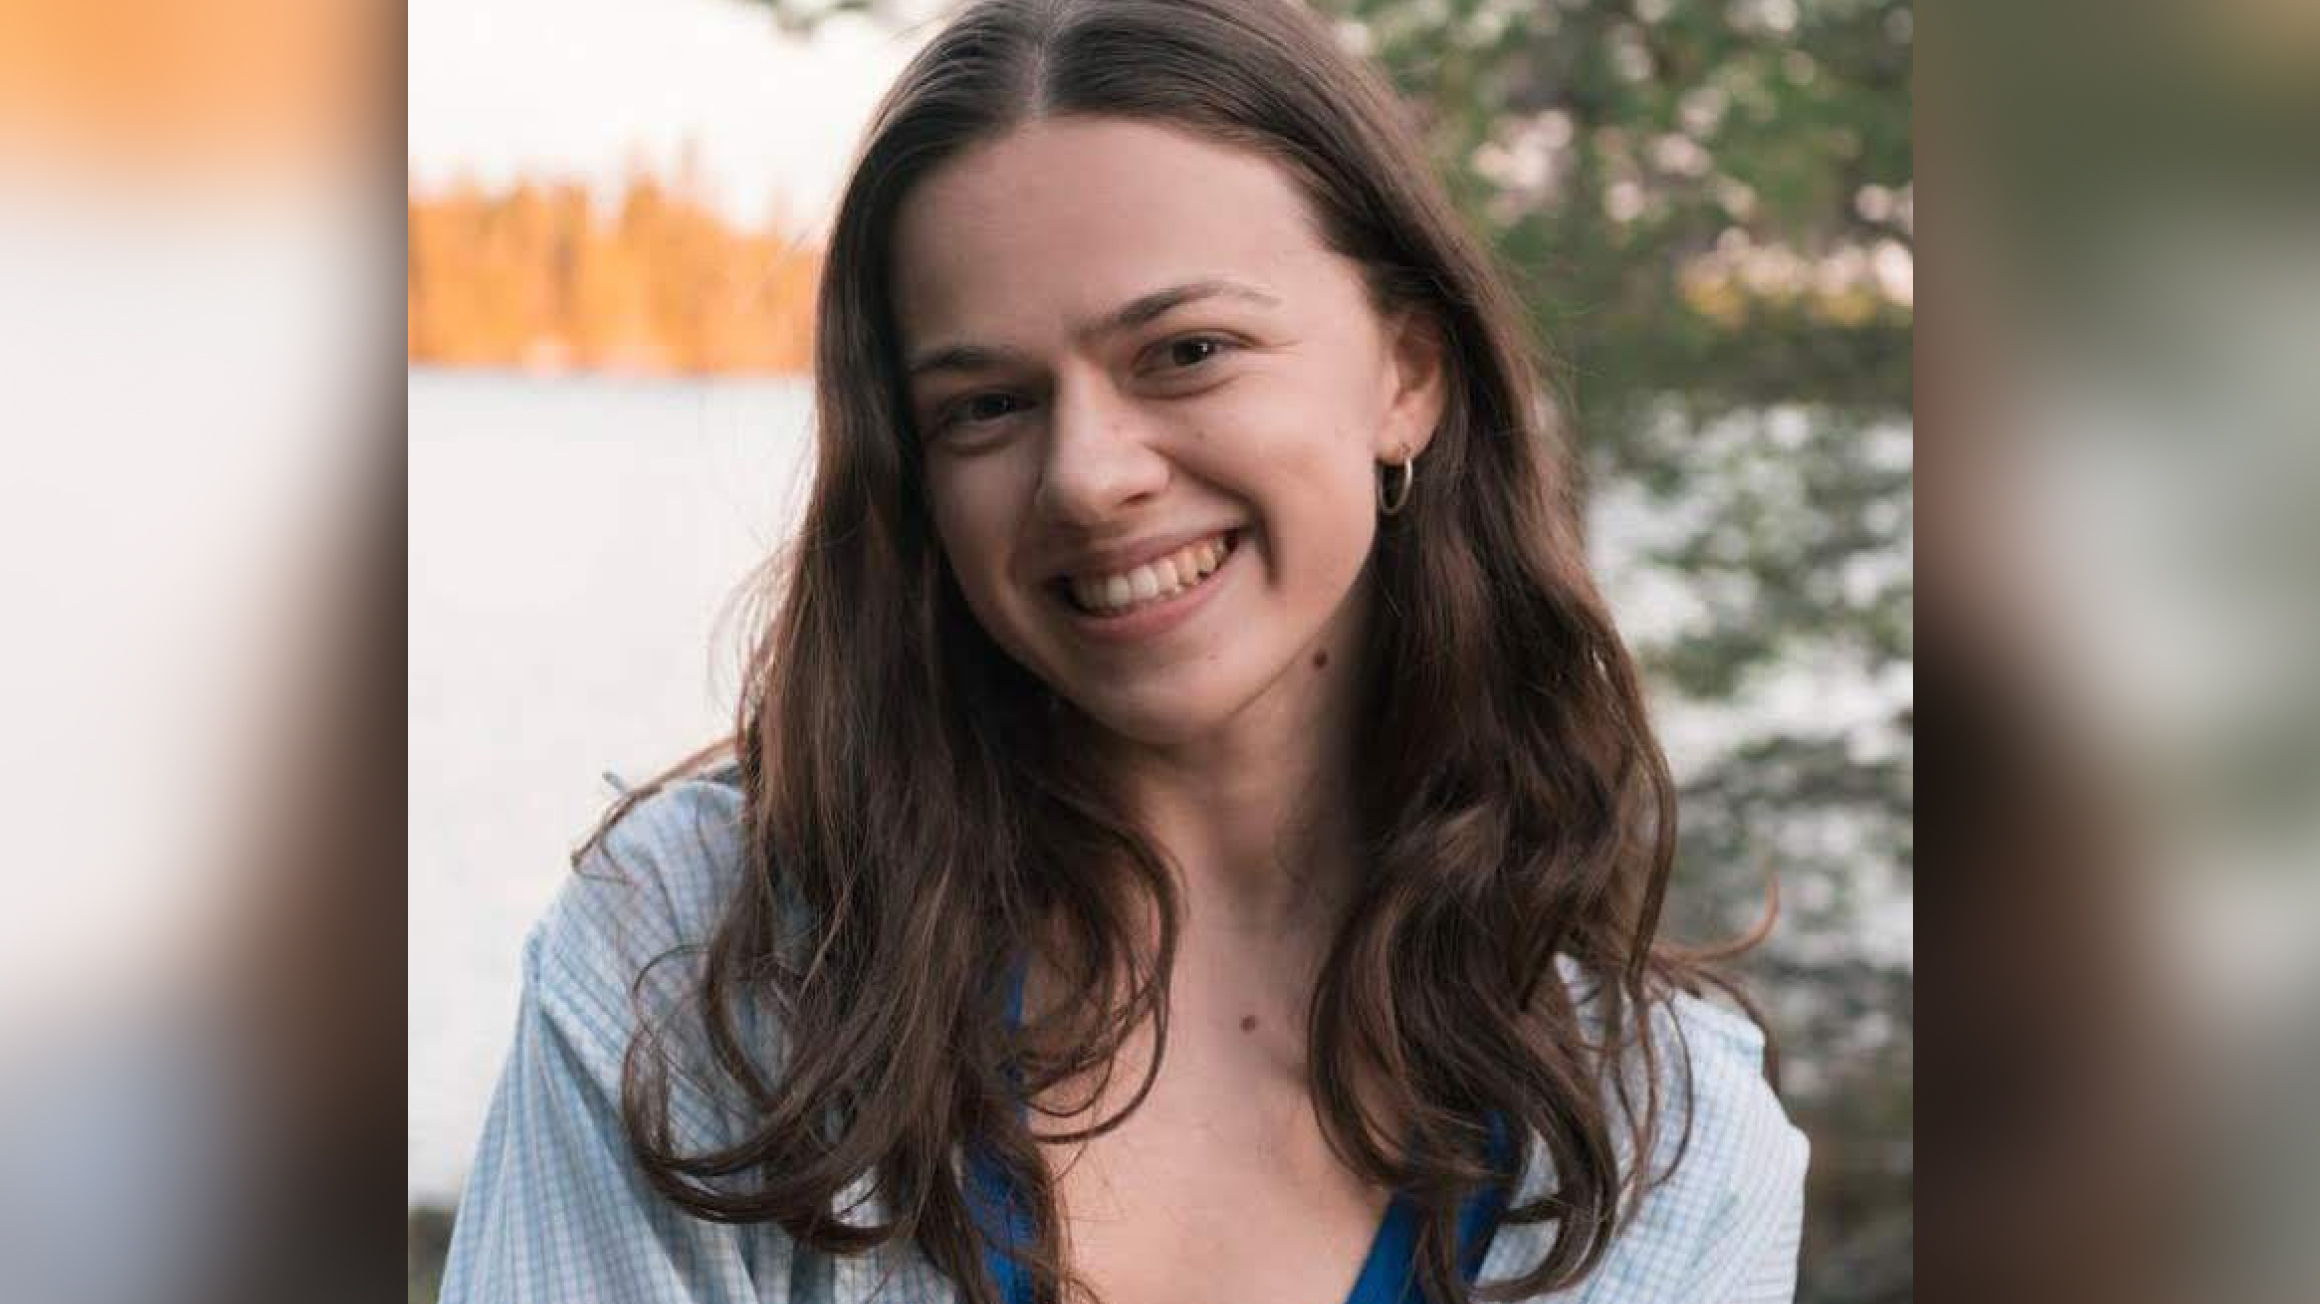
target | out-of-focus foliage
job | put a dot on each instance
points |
(540, 277)
(1709, 208)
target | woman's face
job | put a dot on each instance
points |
(1152, 404)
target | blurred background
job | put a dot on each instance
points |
(614, 216)
(200, 521)
(612, 212)
(611, 207)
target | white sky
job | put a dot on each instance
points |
(579, 88)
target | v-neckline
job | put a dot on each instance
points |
(1386, 1275)
(1388, 1250)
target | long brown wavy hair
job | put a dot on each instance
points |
(909, 795)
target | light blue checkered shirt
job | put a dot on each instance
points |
(556, 1211)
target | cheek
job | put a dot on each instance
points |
(969, 516)
(1322, 455)
(1312, 485)
(975, 522)
(1308, 431)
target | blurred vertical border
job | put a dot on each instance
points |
(201, 526)
(2125, 804)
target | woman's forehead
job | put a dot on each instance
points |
(1064, 218)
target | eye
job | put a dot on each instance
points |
(980, 409)
(1192, 350)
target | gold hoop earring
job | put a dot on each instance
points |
(1391, 501)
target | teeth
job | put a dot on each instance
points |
(1152, 581)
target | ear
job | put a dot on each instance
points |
(1417, 385)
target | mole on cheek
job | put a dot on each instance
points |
(1320, 660)
(1248, 1023)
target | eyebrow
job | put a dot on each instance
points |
(1139, 311)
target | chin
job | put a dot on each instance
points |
(1154, 719)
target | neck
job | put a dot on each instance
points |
(1263, 837)
(1258, 816)
(1259, 829)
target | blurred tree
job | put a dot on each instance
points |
(1709, 208)
(538, 278)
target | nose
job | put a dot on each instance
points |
(1100, 458)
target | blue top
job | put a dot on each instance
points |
(557, 1212)
(1387, 1273)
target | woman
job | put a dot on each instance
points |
(1193, 831)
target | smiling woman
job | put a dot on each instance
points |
(1192, 828)
(1231, 411)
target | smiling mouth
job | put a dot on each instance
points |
(1154, 582)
